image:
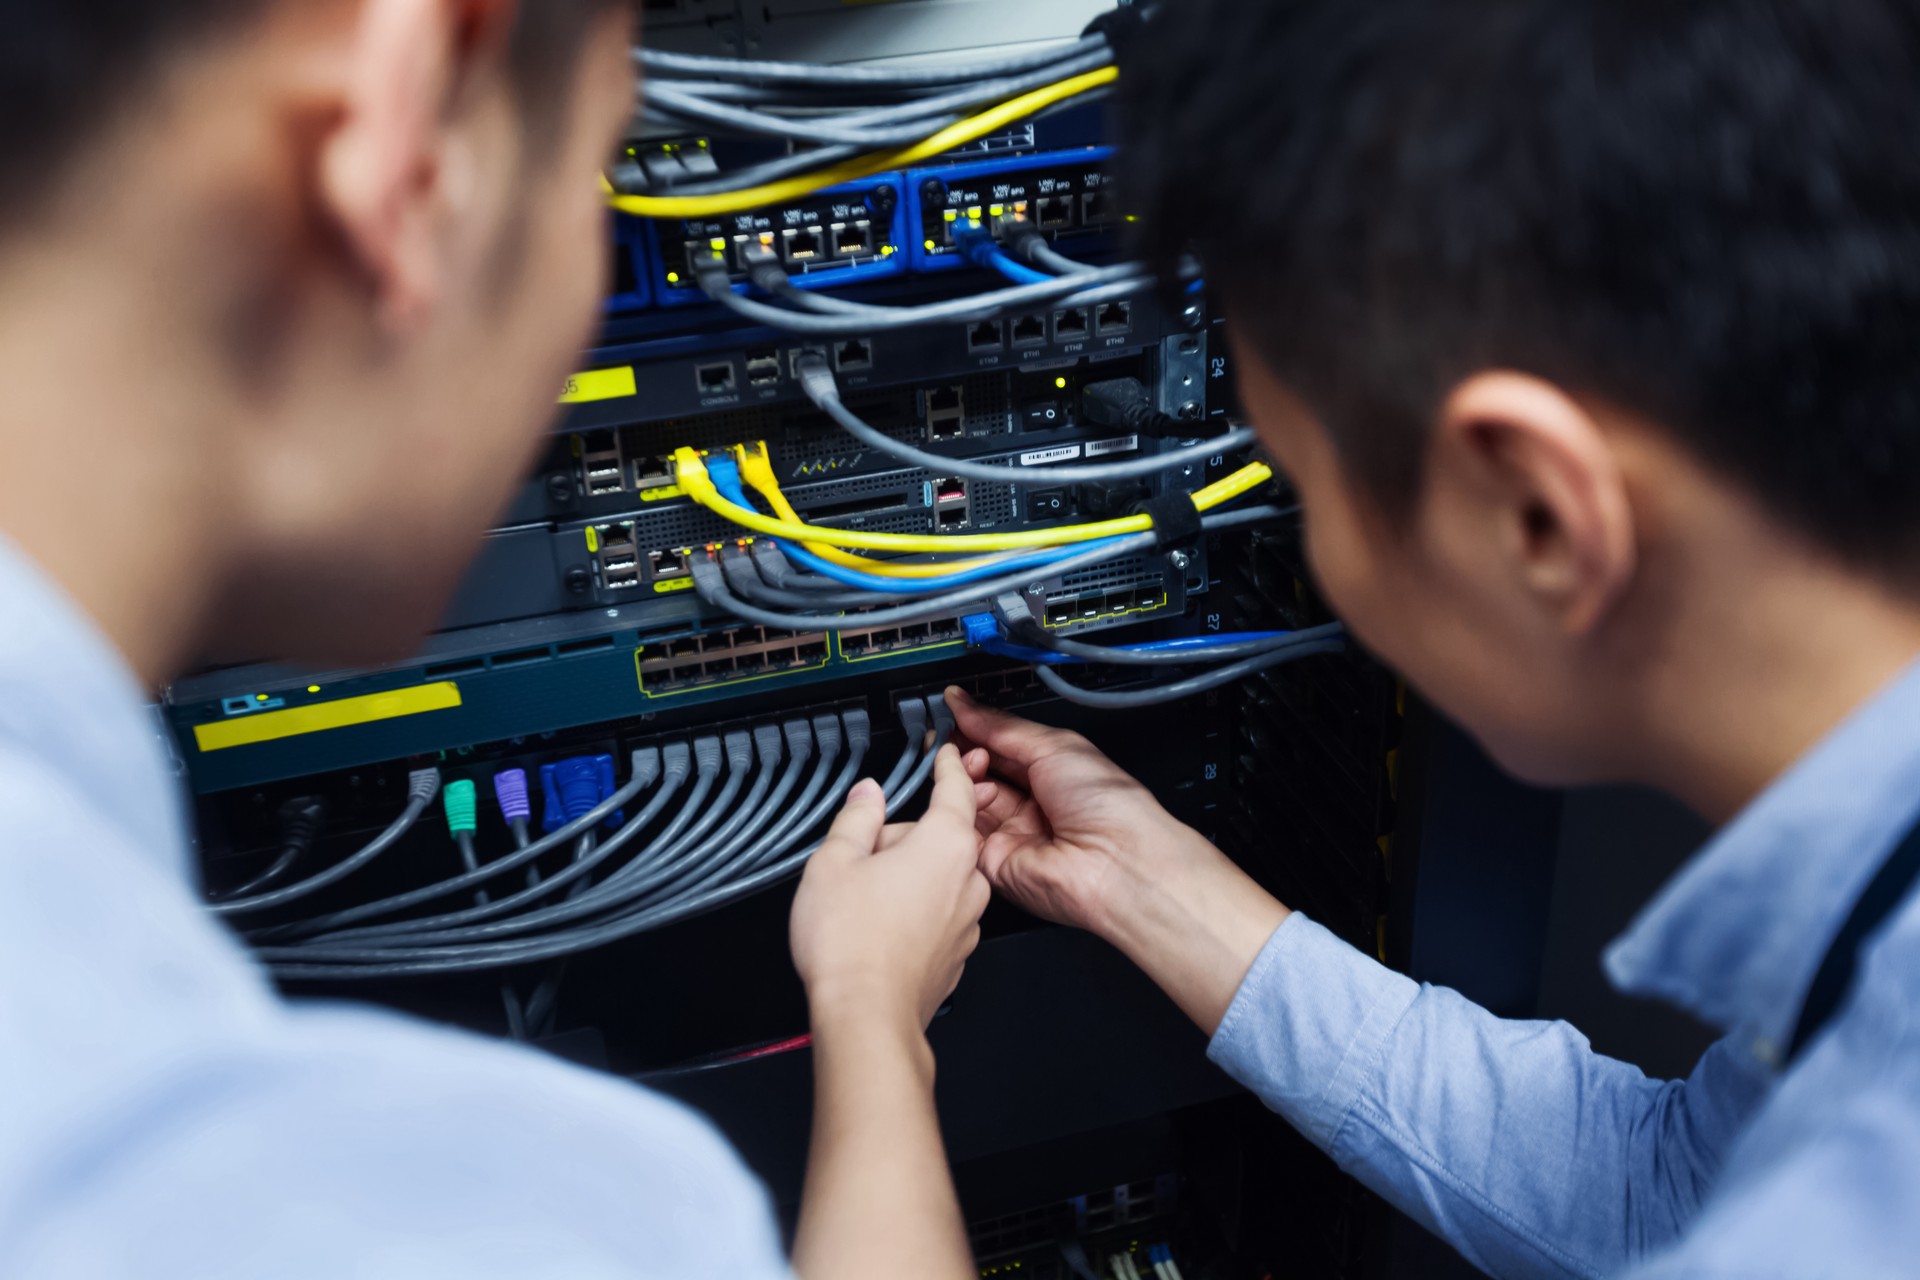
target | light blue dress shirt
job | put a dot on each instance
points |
(1535, 1156)
(163, 1114)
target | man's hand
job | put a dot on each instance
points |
(886, 916)
(884, 920)
(1069, 836)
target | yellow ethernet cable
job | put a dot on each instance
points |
(972, 129)
(691, 474)
(757, 470)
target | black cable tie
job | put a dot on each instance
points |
(1176, 521)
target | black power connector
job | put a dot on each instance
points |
(1125, 405)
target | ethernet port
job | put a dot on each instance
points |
(800, 246)
(763, 366)
(1113, 319)
(852, 239)
(854, 353)
(1053, 213)
(946, 412)
(812, 652)
(986, 336)
(1096, 208)
(1070, 325)
(667, 565)
(949, 518)
(1030, 331)
(652, 473)
(700, 253)
(614, 538)
(714, 379)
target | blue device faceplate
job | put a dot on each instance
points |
(665, 242)
(1083, 163)
(632, 269)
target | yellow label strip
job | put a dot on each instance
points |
(270, 726)
(599, 384)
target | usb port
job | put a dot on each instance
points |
(1030, 331)
(714, 379)
(854, 353)
(1070, 325)
(1113, 319)
(623, 579)
(851, 239)
(763, 366)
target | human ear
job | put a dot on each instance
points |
(383, 174)
(1538, 471)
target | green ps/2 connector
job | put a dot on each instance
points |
(461, 806)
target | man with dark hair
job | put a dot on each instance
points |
(1589, 335)
(286, 290)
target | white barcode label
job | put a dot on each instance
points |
(1100, 448)
(1040, 457)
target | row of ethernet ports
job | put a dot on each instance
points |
(801, 247)
(1037, 329)
(745, 653)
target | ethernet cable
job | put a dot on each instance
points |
(302, 817)
(726, 479)
(690, 471)
(422, 786)
(756, 467)
(841, 318)
(978, 246)
(297, 964)
(1012, 617)
(751, 109)
(462, 812)
(661, 63)
(708, 756)
(710, 584)
(673, 776)
(471, 959)
(456, 884)
(718, 856)
(820, 387)
(971, 129)
(1159, 695)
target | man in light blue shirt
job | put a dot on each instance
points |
(1590, 338)
(286, 290)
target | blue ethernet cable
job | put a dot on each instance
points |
(725, 474)
(983, 633)
(980, 248)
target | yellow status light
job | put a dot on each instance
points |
(673, 277)
(951, 215)
(997, 209)
(313, 688)
(718, 244)
(1061, 383)
(931, 246)
(974, 213)
(261, 697)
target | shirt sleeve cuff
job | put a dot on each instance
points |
(1308, 1025)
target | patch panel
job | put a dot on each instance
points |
(1054, 193)
(827, 238)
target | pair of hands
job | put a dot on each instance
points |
(887, 915)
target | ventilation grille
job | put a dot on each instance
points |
(1112, 574)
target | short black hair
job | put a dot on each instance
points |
(67, 66)
(1703, 211)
